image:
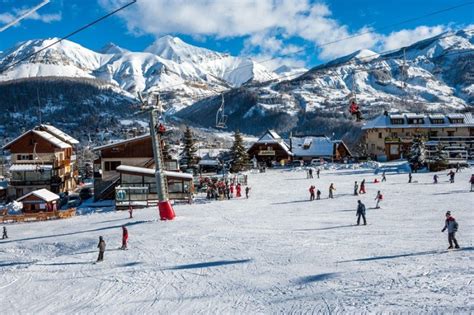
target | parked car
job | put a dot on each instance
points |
(74, 201)
(297, 163)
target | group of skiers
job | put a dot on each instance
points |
(309, 172)
(101, 245)
(224, 190)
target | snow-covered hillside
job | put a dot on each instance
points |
(276, 252)
(169, 65)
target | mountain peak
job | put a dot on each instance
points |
(174, 48)
(111, 48)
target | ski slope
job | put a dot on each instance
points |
(273, 253)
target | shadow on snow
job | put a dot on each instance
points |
(316, 278)
(425, 253)
(325, 228)
(209, 264)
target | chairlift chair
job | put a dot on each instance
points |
(221, 119)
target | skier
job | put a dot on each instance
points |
(472, 182)
(310, 173)
(124, 237)
(311, 192)
(5, 235)
(238, 190)
(356, 188)
(101, 247)
(451, 175)
(360, 212)
(247, 190)
(452, 227)
(331, 191)
(318, 194)
(379, 198)
(435, 179)
(458, 167)
(231, 188)
(227, 192)
(130, 211)
(362, 187)
(317, 172)
(384, 179)
(355, 111)
(409, 177)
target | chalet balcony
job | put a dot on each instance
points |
(30, 182)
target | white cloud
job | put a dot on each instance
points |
(407, 37)
(15, 12)
(266, 26)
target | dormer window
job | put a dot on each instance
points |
(415, 121)
(456, 120)
(437, 121)
(397, 121)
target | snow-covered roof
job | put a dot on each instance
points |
(54, 140)
(120, 142)
(271, 136)
(30, 167)
(209, 162)
(312, 146)
(59, 134)
(384, 121)
(44, 194)
(151, 171)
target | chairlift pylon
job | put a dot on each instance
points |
(221, 119)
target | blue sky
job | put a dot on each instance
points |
(263, 29)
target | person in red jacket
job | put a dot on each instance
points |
(311, 192)
(124, 237)
(238, 190)
(355, 110)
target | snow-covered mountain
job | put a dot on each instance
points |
(437, 75)
(169, 65)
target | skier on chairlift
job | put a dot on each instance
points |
(355, 110)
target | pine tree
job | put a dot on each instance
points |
(239, 154)
(417, 154)
(439, 159)
(189, 156)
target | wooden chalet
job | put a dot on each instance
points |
(41, 200)
(308, 147)
(43, 157)
(270, 148)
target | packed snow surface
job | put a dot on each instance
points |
(276, 252)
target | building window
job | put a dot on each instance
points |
(397, 121)
(450, 133)
(380, 135)
(407, 134)
(111, 165)
(24, 157)
(415, 121)
(437, 121)
(394, 134)
(433, 133)
(456, 120)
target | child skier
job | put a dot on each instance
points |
(247, 190)
(409, 177)
(124, 237)
(362, 187)
(452, 226)
(384, 179)
(310, 172)
(331, 191)
(379, 198)
(435, 179)
(238, 190)
(360, 212)
(101, 247)
(130, 211)
(5, 235)
(318, 194)
(451, 175)
(472, 182)
(317, 172)
(311, 192)
(356, 188)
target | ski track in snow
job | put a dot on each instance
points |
(273, 253)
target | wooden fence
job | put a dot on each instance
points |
(40, 216)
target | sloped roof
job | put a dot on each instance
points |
(312, 146)
(59, 134)
(43, 134)
(270, 136)
(120, 142)
(151, 171)
(30, 167)
(383, 121)
(43, 194)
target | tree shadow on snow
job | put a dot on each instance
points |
(453, 192)
(66, 263)
(425, 253)
(316, 278)
(288, 202)
(325, 228)
(209, 264)
(73, 233)
(15, 263)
